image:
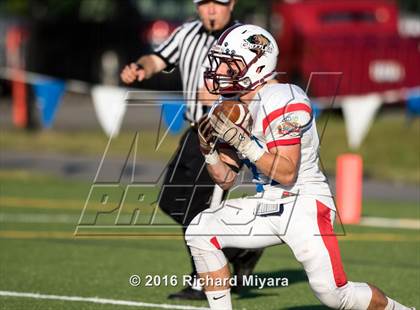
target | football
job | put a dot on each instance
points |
(237, 112)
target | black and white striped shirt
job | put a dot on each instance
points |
(187, 48)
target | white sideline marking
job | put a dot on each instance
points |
(38, 218)
(98, 300)
(72, 219)
(390, 223)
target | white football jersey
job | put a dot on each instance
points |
(282, 115)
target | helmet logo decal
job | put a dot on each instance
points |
(258, 43)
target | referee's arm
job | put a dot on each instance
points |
(145, 67)
(164, 57)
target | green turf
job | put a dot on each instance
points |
(150, 144)
(391, 209)
(45, 257)
(390, 150)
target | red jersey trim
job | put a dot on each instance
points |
(279, 112)
(331, 243)
(275, 143)
(215, 242)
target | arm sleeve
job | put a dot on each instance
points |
(169, 50)
(285, 125)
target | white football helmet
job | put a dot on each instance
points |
(250, 53)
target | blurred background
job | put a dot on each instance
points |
(60, 96)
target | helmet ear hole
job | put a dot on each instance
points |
(260, 68)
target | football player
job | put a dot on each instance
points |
(293, 204)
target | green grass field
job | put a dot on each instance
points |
(40, 254)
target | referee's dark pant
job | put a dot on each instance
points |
(187, 191)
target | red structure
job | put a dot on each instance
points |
(357, 39)
(14, 40)
(349, 184)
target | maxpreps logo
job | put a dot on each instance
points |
(258, 43)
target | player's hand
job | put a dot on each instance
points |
(131, 73)
(235, 136)
(205, 135)
(226, 130)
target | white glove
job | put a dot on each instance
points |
(236, 136)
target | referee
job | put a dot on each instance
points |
(188, 189)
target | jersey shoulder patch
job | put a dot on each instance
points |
(287, 111)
